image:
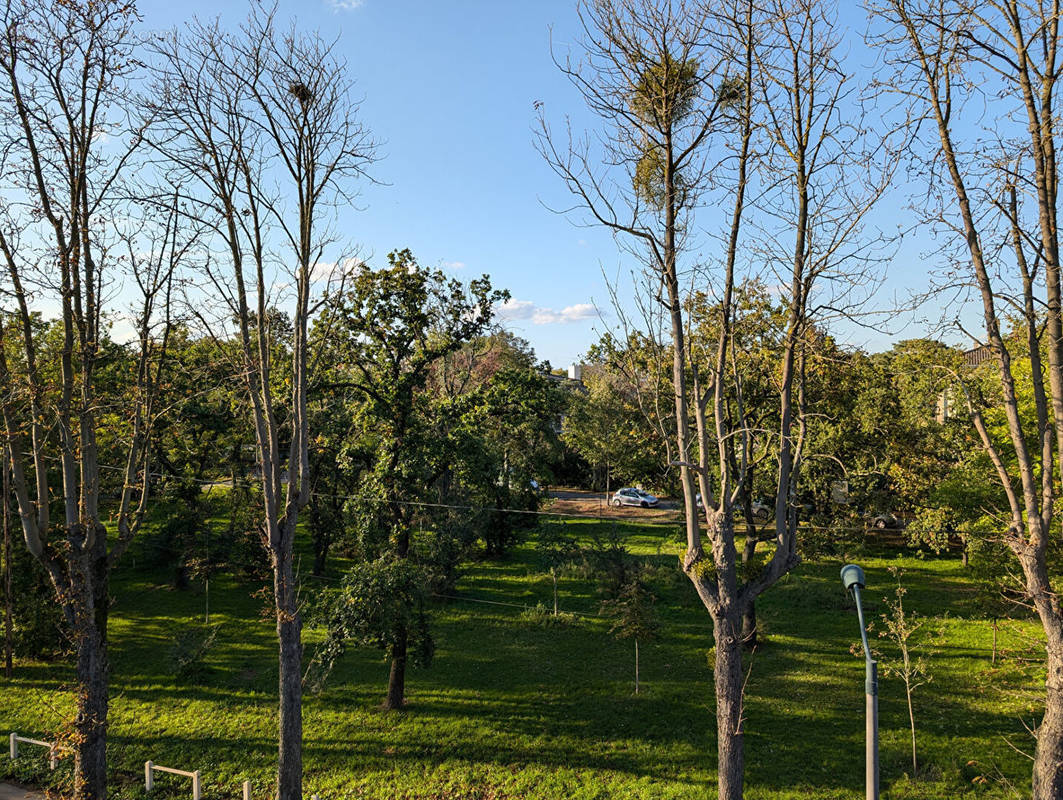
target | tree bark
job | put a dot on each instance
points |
(749, 614)
(9, 599)
(90, 722)
(636, 666)
(749, 625)
(289, 637)
(90, 603)
(1048, 756)
(729, 688)
(396, 698)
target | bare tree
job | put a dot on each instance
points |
(992, 192)
(66, 150)
(260, 127)
(717, 104)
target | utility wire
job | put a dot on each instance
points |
(251, 484)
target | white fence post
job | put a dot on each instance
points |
(150, 768)
(53, 748)
(247, 790)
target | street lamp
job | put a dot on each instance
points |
(853, 580)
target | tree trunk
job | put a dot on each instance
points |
(396, 698)
(553, 574)
(911, 722)
(90, 722)
(321, 522)
(1048, 757)
(89, 592)
(749, 550)
(636, 666)
(9, 599)
(321, 548)
(729, 737)
(289, 637)
(749, 625)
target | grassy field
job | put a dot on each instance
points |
(515, 709)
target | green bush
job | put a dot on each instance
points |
(188, 652)
(539, 616)
(38, 625)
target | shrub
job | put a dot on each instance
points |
(38, 625)
(243, 550)
(188, 652)
(612, 563)
(539, 616)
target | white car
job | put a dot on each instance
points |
(634, 497)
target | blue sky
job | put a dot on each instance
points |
(450, 89)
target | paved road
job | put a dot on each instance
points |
(9, 792)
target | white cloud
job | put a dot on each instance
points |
(345, 5)
(330, 270)
(513, 310)
(579, 311)
(455, 265)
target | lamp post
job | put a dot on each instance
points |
(853, 580)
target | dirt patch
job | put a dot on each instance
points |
(596, 504)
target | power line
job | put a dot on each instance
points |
(524, 607)
(677, 522)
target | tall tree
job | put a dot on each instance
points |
(993, 182)
(505, 440)
(390, 330)
(71, 238)
(261, 130)
(621, 420)
(692, 99)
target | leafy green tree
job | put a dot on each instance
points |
(505, 445)
(556, 551)
(615, 422)
(901, 627)
(384, 337)
(381, 604)
(634, 617)
(201, 438)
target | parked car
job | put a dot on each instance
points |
(634, 497)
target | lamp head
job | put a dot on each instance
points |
(852, 576)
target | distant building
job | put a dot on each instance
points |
(572, 380)
(949, 404)
(975, 356)
(574, 374)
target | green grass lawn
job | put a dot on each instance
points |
(513, 709)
